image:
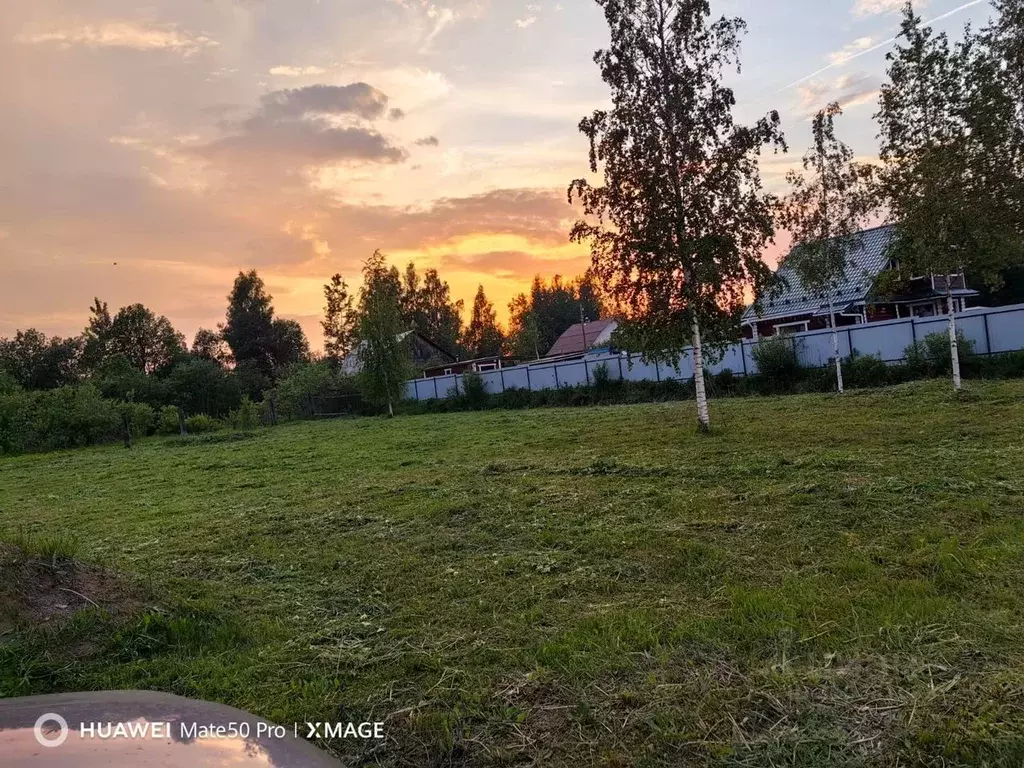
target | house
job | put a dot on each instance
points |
(423, 353)
(793, 308)
(477, 365)
(583, 337)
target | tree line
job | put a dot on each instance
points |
(135, 354)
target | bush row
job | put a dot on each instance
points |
(780, 372)
(75, 416)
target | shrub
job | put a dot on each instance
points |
(140, 418)
(16, 422)
(865, 371)
(722, 383)
(931, 355)
(303, 380)
(246, 416)
(777, 363)
(168, 423)
(602, 377)
(71, 416)
(473, 390)
(201, 423)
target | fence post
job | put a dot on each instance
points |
(657, 371)
(913, 330)
(620, 367)
(743, 357)
(988, 340)
(529, 385)
(586, 371)
(557, 385)
(502, 375)
(436, 396)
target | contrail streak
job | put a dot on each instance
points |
(873, 48)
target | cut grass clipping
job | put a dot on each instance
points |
(823, 581)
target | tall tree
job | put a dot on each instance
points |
(382, 349)
(249, 326)
(427, 306)
(96, 337)
(259, 341)
(34, 361)
(537, 319)
(825, 212)
(948, 173)
(682, 217)
(149, 342)
(439, 318)
(483, 336)
(210, 345)
(339, 321)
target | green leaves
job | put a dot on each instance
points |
(677, 228)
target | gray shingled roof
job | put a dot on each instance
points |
(867, 258)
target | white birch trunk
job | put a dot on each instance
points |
(954, 350)
(391, 411)
(703, 416)
(835, 346)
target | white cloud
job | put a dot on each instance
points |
(121, 34)
(288, 71)
(864, 8)
(849, 90)
(851, 50)
(524, 23)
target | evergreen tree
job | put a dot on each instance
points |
(682, 218)
(483, 336)
(96, 337)
(339, 321)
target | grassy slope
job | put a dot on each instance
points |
(822, 581)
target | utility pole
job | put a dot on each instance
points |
(583, 326)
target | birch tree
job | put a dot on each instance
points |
(948, 162)
(825, 212)
(382, 350)
(677, 228)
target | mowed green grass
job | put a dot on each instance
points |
(821, 581)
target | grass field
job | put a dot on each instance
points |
(822, 581)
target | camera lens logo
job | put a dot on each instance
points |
(45, 734)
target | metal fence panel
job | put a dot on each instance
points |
(885, 340)
(1006, 330)
(516, 378)
(573, 374)
(543, 377)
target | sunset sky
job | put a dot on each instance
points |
(152, 148)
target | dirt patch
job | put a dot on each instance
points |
(47, 592)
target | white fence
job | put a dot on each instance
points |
(992, 330)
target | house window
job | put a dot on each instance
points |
(788, 329)
(487, 366)
(447, 371)
(923, 310)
